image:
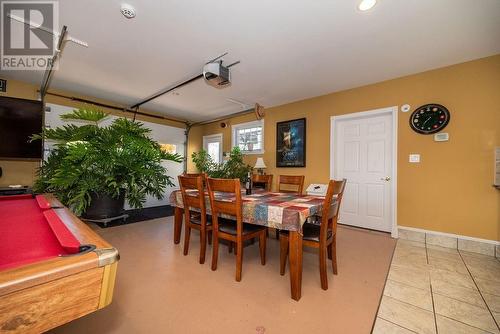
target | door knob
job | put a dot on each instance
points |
(387, 178)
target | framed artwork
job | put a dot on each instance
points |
(291, 143)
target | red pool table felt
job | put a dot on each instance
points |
(30, 231)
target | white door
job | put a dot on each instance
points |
(213, 145)
(363, 155)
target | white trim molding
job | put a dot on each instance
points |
(220, 138)
(450, 240)
(393, 111)
(245, 125)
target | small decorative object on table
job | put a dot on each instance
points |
(260, 166)
(317, 189)
(248, 184)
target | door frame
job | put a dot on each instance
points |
(218, 136)
(393, 111)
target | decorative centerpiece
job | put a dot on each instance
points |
(233, 168)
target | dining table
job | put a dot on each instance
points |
(283, 211)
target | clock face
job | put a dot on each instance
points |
(429, 118)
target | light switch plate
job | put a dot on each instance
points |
(414, 158)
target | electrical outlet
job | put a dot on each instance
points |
(414, 158)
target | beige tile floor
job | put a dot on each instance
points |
(431, 289)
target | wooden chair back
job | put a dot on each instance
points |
(267, 180)
(203, 175)
(293, 180)
(331, 207)
(192, 191)
(230, 206)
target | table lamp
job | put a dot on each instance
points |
(260, 165)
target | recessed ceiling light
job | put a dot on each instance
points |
(366, 4)
(128, 11)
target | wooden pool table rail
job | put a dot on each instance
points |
(69, 286)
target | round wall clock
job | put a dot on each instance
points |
(429, 118)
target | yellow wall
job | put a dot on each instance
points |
(24, 172)
(451, 189)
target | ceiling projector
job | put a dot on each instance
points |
(216, 74)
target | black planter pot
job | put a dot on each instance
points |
(104, 206)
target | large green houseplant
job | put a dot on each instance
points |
(90, 162)
(233, 168)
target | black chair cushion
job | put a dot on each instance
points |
(195, 218)
(229, 226)
(311, 232)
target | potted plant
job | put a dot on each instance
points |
(93, 169)
(233, 168)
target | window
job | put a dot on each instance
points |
(249, 137)
(169, 148)
(213, 145)
(213, 150)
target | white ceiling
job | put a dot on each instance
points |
(289, 49)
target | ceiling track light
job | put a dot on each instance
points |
(365, 5)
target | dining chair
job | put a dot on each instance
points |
(203, 175)
(322, 236)
(193, 197)
(291, 181)
(194, 213)
(265, 180)
(225, 198)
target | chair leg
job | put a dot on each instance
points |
(262, 248)
(322, 268)
(203, 245)
(334, 254)
(187, 235)
(283, 254)
(239, 260)
(215, 250)
(329, 249)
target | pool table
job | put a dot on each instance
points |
(53, 267)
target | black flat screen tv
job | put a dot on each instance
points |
(19, 119)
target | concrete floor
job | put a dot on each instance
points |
(158, 290)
